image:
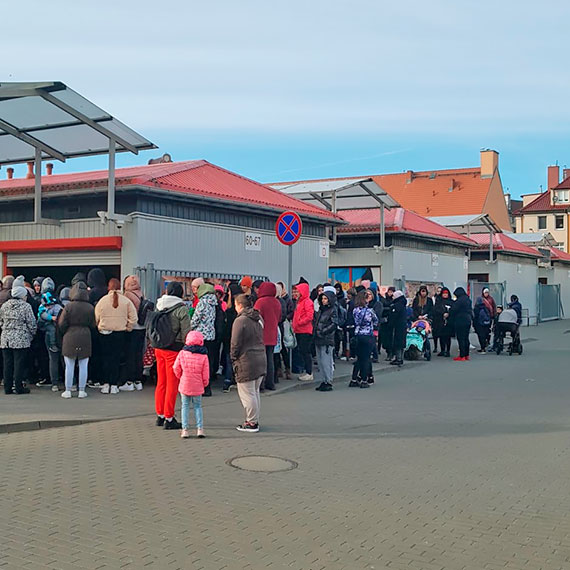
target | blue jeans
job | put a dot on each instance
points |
(196, 401)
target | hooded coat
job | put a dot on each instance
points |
(270, 310)
(79, 277)
(133, 291)
(179, 318)
(304, 312)
(192, 367)
(398, 322)
(97, 285)
(204, 317)
(48, 286)
(326, 320)
(516, 305)
(247, 351)
(5, 292)
(461, 312)
(76, 323)
(17, 323)
(442, 327)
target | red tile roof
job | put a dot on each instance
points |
(432, 193)
(543, 204)
(502, 242)
(398, 220)
(195, 177)
(559, 255)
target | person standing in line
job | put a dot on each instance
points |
(196, 284)
(303, 328)
(18, 326)
(386, 331)
(349, 325)
(270, 310)
(484, 313)
(5, 293)
(115, 316)
(422, 306)
(48, 314)
(245, 284)
(77, 325)
(192, 369)
(231, 315)
(461, 315)
(204, 321)
(325, 328)
(399, 326)
(365, 321)
(249, 360)
(288, 310)
(377, 306)
(442, 327)
(166, 390)
(97, 287)
(435, 299)
(135, 344)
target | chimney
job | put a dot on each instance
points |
(30, 173)
(489, 162)
(565, 174)
(553, 177)
(10, 173)
(49, 168)
(409, 176)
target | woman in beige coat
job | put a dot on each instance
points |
(115, 316)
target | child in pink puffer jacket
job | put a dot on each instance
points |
(192, 369)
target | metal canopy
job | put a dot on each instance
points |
(60, 123)
(48, 120)
(534, 239)
(471, 224)
(338, 195)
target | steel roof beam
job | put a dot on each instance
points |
(321, 200)
(86, 120)
(32, 141)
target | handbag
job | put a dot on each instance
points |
(289, 338)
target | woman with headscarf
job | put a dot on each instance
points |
(18, 326)
(485, 312)
(461, 316)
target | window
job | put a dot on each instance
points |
(541, 222)
(562, 196)
(559, 222)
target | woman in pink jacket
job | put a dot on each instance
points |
(303, 327)
(193, 370)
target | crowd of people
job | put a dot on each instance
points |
(98, 333)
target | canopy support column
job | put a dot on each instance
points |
(111, 191)
(38, 187)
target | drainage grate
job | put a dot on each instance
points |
(262, 463)
(525, 340)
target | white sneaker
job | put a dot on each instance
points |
(105, 389)
(66, 394)
(306, 378)
(114, 390)
(82, 394)
(139, 386)
(55, 388)
(126, 387)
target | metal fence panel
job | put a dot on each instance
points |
(548, 302)
(496, 290)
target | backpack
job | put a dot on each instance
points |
(220, 322)
(159, 329)
(145, 308)
(342, 315)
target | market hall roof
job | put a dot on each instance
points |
(59, 122)
(502, 242)
(399, 220)
(193, 178)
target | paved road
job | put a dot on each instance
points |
(443, 466)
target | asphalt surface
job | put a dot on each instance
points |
(443, 465)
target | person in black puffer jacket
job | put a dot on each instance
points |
(324, 327)
(398, 324)
(461, 316)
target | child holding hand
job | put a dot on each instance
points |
(193, 371)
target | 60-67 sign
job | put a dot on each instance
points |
(288, 228)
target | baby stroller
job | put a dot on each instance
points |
(417, 341)
(510, 331)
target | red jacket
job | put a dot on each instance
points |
(270, 310)
(304, 312)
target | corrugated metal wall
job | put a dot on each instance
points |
(192, 246)
(67, 229)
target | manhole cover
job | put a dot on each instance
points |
(262, 463)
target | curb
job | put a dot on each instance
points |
(296, 385)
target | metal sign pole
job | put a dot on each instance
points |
(290, 270)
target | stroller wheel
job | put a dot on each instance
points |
(520, 350)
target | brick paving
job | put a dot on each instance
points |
(443, 466)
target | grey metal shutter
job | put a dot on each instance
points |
(64, 258)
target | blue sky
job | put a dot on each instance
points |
(295, 90)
